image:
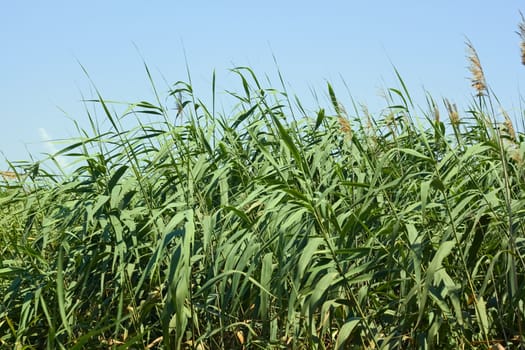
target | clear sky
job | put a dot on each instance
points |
(43, 42)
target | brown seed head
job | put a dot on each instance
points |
(344, 124)
(369, 123)
(343, 120)
(453, 114)
(509, 127)
(478, 77)
(8, 175)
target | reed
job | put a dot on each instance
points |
(253, 229)
(478, 77)
(521, 33)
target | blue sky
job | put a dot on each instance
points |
(42, 83)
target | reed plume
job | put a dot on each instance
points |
(435, 111)
(478, 77)
(509, 127)
(8, 175)
(521, 33)
(344, 125)
(452, 110)
(509, 140)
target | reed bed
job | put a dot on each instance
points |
(270, 227)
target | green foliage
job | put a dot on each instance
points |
(259, 230)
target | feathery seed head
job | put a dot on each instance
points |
(344, 125)
(478, 77)
(435, 110)
(522, 46)
(509, 127)
(342, 118)
(453, 114)
(521, 33)
(369, 124)
(8, 175)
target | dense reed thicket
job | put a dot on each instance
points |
(270, 228)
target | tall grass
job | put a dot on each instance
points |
(254, 229)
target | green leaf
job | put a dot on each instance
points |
(320, 117)
(425, 186)
(481, 315)
(60, 292)
(285, 135)
(116, 176)
(345, 332)
(404, 89)
(266, 275)
(415, 154)
(445, 248)
(243, 116)
(334, 101)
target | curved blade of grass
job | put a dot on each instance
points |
(60, 291)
